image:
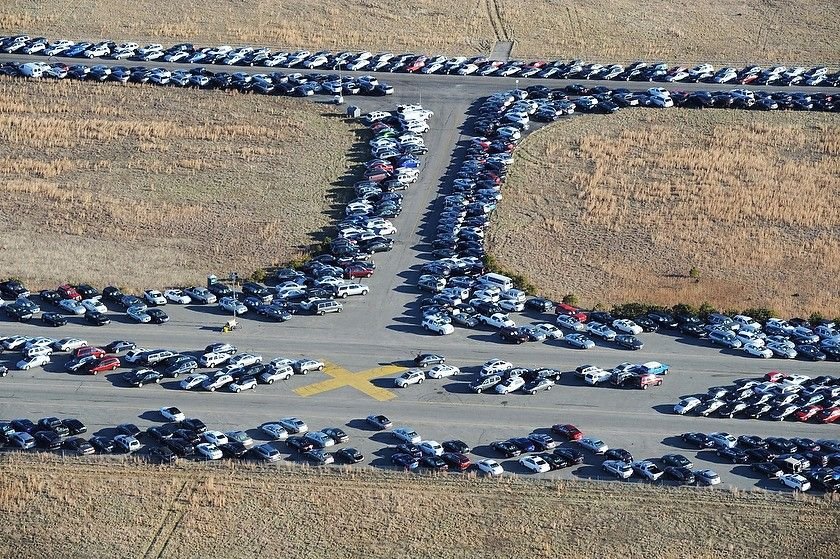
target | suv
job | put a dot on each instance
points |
(485, 383)
(643, 381)
(324, 306)
(726, 338)
(345, 289)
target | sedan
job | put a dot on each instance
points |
(69, 344)
(698, 440)
(628, 341)
(489, 467)
(177, 296)
(442, 371)
(53, 319)
(231, 305)
(138, 313)
(407, 435)
(568, 431)
(579, 341)
(538, 385)
(34, 361)
(404, 461)
(274, 431)
(349, 455)
(426, 359)
(267, 452)
(209, 451)
(535, 464)
(172, 413)
(293, 425)
(379, 421)
(72, 306)
(592, 444)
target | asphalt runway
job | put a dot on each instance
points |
(382, 329)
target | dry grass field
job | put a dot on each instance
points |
(113, 509)
(142, 185)
(620, 209)
(723, 31)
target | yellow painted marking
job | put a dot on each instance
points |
(360, 380)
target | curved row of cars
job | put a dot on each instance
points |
(419, 63)
(776, 396)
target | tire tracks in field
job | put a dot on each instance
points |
(171, 519)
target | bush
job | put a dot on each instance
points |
(705, 310)
(682, 308)
(816, 318)
(519, 280)
(760, 314)
(570, 299)
(694, 274)
(259, 275)
(629, 310)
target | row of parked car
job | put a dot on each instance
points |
(237, 371)
(294, 84)
(776, 396)
(798, 463)
(419, 63)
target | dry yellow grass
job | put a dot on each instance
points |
(91, 509)
(141, 185)
(620, 208)
(731, 31)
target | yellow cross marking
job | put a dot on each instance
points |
(341, 377)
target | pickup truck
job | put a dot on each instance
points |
(496, 320)
(647, 470)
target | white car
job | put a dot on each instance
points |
(495, 367)
(535, 464)
(509, 385)
(135, 355)
(201, 295)
(724, 440)
(511, 306)
(618, 468)
(172, 413)
(209, 451)
(154, 297)
(94, 305)
(411, 376)
(214, 359)
(795, 482)
(497, 320)
(72, 306)
(193, 381)
(38, 342)
(489, 467)
(443, 371)
(757, 349)
(127, 443)
(274, 430)
(747, 323)
(686, 405)
(407, 435)
(34, 361)
(214, 437)
(232, 305)
(37, 350)
(138, 313)
(69, 344)
(550, 331)
(627, 326)
(707, 477)
(595, 445)
(570, 322)
(430, 448)
(177, 296)
(294, 425)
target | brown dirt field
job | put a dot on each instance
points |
(682, 31)
(72, 508)
(627, 204)
(143, 185)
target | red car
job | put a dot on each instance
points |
(89, 350)
(829, 415)
(456, 460)
(806, 413)
(774, 376)
(567, 430)
(357, 271)
(563, 308)
(416, 64)
(67, 291)
(107, 363)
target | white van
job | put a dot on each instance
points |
(34, 69)
(496, 280)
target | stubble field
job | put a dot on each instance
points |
(620, 208)
(682, 31)
(115, 509)
(142, 185)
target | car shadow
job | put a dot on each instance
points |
(458, 388)
(151, 415)
(385, 382)
(171, 385)
(485, 451)
(116, 379)
(676, 442)
(590, 471)
(665, 409)
(361, 425)
(385, 437)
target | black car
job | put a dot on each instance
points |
(162, 455)
(680, 474)
(816, 458)
(506, 449)
(50, 296)
(539, 304)
(767, 469)
(47, 439)
(74, 426)
(410, 449)
(435, 463)
(13, 289)
(103, 445)
(349, 455)
(573, 455)
(427, 359)
(129, 429)
(97, 318)
(194, 425)
(734, 455)
(663, 319)
(555, 461)
(513, 335)
(805, 444)
(158, 434)
(699, 440)
(677, 460)
(142, 376)
(300, 444)
(53, 319)
(79, 446)
(112, 293)
(50, 423)
(752, 441)
(523, 443)
(629, 341)
(158, 315)
(186, 435)
(693, 329)
(756, 411)
(760, 455)
(455, 445)
(18, 312)
(233, 449)
(618, 454)
(336, 434)
(646, 323)
(404, 461)
(220, 290)
(23, 426)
